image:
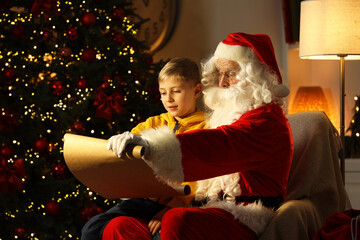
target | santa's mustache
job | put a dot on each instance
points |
(235, 95)
(227, 104)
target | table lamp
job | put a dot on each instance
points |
(330, 30)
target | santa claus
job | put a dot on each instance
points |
(243, 160)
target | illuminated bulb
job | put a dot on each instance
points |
(357, 134)
(356, 98)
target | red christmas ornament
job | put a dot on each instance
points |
(71, 33)
(9, 74)
(89, 212)
(58, 170)
(52, 208)
(88, 55)
(107, 105)
(10, 175)
(82, 84)
(47, 34)
(18, 31)
(118, 14)
(57, 87)
(41, 145)
(65, 52)
(7, 152)
(78, 127)
(118, 38)
(20, 232)
(88, 19)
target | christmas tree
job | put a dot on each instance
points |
(355, 130)
(67, 66)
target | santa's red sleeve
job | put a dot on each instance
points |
(260, 140)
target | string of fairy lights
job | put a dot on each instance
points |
(22, 60)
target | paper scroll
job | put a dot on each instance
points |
(113, 177)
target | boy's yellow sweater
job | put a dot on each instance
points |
(194, 121)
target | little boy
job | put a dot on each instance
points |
(180, 87)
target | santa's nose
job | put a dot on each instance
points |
(223, 82)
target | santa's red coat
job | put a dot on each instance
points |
(259, 145)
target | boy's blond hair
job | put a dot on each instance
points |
(183, 68)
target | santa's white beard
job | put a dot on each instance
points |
(227, 104)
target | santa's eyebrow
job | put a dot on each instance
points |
(231, 69)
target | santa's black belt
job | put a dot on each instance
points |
(270, 202)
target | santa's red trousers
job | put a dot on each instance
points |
(182, 224)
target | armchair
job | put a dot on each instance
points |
(315, 187)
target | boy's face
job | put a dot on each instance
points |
(178, 96)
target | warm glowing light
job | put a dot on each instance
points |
(311, 99)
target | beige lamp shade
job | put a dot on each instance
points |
(329, 29)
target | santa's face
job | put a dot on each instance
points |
(227, 71)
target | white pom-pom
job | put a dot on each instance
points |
(281, 91)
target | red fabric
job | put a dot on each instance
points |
(124, 227)
(259, 145)
(207, 224)
(108, 104)
(10, 176)
(261, 44)
(338, 226)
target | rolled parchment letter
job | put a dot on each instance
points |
(111, 177)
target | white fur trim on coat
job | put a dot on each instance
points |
(253, 215)
(165, 154)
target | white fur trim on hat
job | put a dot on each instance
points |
(231, 52)
(165, 154)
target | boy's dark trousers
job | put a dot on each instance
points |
(134, 207)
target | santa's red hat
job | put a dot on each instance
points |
(233, 47)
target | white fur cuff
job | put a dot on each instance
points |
(253, 215)
(165, 154)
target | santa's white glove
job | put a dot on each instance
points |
(118, 143)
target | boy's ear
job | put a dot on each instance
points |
(198, 88)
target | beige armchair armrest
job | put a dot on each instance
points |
(295, 220)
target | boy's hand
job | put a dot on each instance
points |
(155, 222)
(118, 143)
